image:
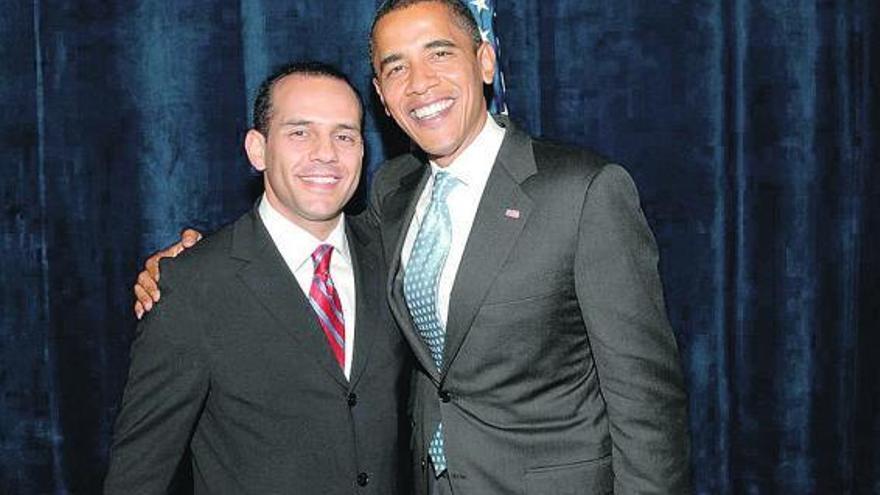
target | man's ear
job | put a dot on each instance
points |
(487, 61)
(255, 146)
(381, 98)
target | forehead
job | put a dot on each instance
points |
(316, 98)
(411, 26)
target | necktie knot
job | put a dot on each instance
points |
(321, 258)
(444, 183)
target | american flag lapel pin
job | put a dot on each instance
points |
(511, 213)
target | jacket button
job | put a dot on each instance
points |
(352, 399)
(444, 396)
(363, 479)
(424, 463)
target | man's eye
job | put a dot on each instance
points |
(393, 71)
(298, 133)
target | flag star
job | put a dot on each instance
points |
(480, 5)
(484, 34)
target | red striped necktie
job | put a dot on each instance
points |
(325, 302)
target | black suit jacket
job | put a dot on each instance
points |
(561, 373)
(233, 365)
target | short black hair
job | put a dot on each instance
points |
(460, 13)
(263, 101)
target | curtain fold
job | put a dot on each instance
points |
(30, 456)
(750, 126)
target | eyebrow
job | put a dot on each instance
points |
(291, 123)
(345, 126)
(441, 43)
(395, 57)
(390, 59)
(349, 127)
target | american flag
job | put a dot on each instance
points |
(484, 12)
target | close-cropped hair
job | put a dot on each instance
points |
(460, 12)
(263, 100)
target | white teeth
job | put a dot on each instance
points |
(320, 179)
(431, 110)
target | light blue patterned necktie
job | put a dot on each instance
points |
(420, 284)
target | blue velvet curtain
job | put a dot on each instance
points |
(751, 127)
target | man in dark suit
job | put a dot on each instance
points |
(524, 276)
(273, 357)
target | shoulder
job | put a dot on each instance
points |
(543, 159)
(570, 178)
(553, 173)
(205, 260)
(398, 166)
(362, 227)
(388, 177)
(566, 160)
(363, 233)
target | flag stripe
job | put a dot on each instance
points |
(484, 13)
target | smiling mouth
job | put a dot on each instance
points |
(320, 179)
(431, 111)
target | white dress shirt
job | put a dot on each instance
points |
(472, 169)
(296, 246)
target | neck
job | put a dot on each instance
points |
(320, 229)
(445, 161)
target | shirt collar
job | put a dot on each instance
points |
(294, 242)
(475, 163)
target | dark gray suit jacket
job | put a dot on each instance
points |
(233, 365)
(561, 371)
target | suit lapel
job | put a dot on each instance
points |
(268, 277)
(397, 213)
(503, 212)
(368, 289)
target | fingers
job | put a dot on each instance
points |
(189, 238)
(149, 289)
(143, 298)
(146, 290)
(152, 264)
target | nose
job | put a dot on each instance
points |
(323, 150)
(422, 78)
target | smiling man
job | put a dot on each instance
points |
(430, 71)
(524, 277)
(273, 357)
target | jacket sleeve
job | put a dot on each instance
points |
(167, 385)
(621, 298)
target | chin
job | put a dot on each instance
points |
(330, 213)
(429, 140)
(322, 213)
(441, 151)
(432, 144)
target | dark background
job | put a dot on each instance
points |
(751, 128)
